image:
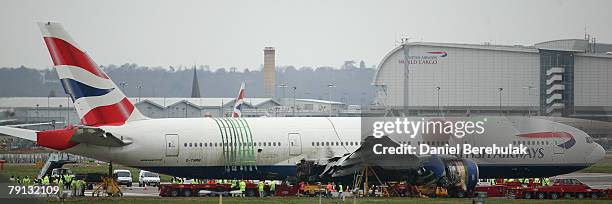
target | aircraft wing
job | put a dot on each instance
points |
(18, 132)
(349, 163)
(445, 170)
(33, 124)
(79, 134)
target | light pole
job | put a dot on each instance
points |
(124, 86)
(331, 86)
(528, 87)
(139, 88)
(500, 100)
(293, 107)
(438, 94)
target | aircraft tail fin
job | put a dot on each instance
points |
(97, 99)
(239, 101)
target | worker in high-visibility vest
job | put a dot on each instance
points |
(260, 187)
(340, 191)
(73, 187)
(272, 188)
(45, 180)
(546, 181)
(26, 180)
(60, 184)
(81, 185)
(242, 188)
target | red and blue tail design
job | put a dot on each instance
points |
(96, 98)
(239, 102)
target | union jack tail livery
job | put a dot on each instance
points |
(239, 101)
(98, 101)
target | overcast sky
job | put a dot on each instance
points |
(305, 33)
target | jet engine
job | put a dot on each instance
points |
(459, 176)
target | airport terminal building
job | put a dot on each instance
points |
(569, 78)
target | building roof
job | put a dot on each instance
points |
(574, 45)
(31, 102)
(320, 101)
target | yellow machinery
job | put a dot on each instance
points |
(432, 191)
(110, 186)
(312, 190)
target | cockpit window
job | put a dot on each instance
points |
(589, 140)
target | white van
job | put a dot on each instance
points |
(124, 177)
(148, 178)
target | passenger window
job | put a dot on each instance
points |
(185, 144)
(200, 144)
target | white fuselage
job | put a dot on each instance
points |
(199, 143)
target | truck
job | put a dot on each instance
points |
(561, 188)
(123, 177)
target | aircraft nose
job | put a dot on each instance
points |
(597, 154)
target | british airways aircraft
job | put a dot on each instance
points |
(113, 130)
(239, 101)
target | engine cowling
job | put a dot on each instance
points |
(456, 174)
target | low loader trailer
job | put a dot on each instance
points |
(562, 188)
(251, 190)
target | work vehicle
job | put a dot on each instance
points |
(147, 178)
(59, 172)
(124, 177)
(561, 188)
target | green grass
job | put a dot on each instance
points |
(295, 200)
(599, 168)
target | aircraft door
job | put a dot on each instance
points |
(172, 145)
(558, 151)
(295, 143)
